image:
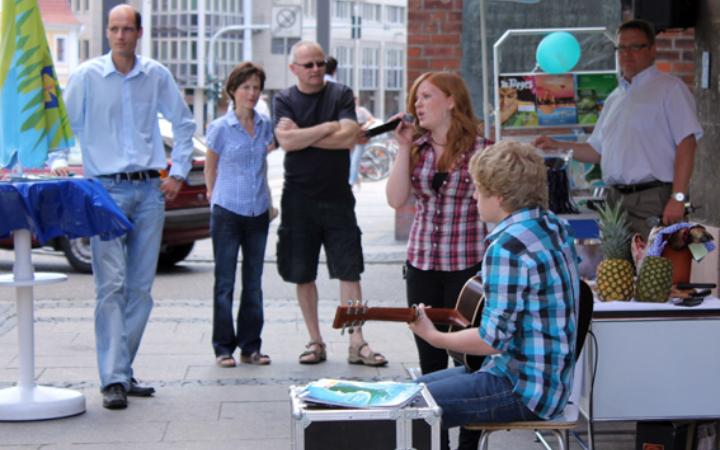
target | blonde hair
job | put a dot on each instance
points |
(513, 171)
(463, 129)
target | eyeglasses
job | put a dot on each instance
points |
(631, 48)
(318, 64)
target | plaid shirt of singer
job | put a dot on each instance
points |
(446, 233)
(531, 287)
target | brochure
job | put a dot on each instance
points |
(359, 394)
(517, 101)
(592, 90)
(555, 99)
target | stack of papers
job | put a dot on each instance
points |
(359, 394)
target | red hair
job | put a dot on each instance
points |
(463, 129)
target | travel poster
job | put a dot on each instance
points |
(555, 99)
(592, 90)
(517, 101)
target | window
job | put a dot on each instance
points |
(278, 44)
(342, 9)
(370, 12)
(84, 49)
(60, 56)
(369, 68)
(346, 62)
(394, 69)
(395, 14)
(309, 8)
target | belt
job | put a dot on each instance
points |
(142, 175)
(632, 188)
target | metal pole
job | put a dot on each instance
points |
(485, 67)
(323, 25)
(287, 62)
(147, 28)
(247, 33)
(356, 50)
(199, 94)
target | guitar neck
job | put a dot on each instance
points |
(351, 315)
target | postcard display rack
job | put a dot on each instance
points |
(415, 426)
(535, 101)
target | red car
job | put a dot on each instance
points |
(187, 217)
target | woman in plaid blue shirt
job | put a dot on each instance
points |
(531, 289)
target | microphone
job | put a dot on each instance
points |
(388, 126)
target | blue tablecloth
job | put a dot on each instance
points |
(60, 207)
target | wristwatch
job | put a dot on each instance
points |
(680, 197)
(177, 178)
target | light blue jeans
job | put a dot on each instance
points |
(124, 270)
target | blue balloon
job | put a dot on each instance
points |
(558, 52)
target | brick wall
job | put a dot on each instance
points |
(434, 30)
(676, 54)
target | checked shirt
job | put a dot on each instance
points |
(446, 233)
(531, 287)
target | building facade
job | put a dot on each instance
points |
(178, 34)
(62, 30)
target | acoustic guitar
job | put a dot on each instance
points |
(469, 305)
(467, 313)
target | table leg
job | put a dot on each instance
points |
(27, 400)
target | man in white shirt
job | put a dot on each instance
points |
(646, 136)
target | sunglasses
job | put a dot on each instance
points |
(631, 48)
(309, 65)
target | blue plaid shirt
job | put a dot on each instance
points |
(241, 185)
(531, 287)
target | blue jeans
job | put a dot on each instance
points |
(231, 232)
(471, 397)
(124, 270)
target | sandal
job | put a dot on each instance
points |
(225, 361)
(255, 358)
(314, 354)
(374, 359)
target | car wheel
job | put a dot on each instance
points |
(78, 253)
(170, 256)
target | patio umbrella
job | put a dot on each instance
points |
(32, 117)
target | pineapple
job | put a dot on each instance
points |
(654, 280)
(615, 274)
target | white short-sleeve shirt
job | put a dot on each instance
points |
(640, 127)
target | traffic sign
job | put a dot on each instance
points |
(286, 21)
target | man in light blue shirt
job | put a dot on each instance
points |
(113, 103)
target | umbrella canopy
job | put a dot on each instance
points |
(32, 118)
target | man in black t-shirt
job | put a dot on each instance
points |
(315, 124)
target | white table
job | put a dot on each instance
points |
(654, 362)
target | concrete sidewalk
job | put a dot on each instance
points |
(197, 404)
